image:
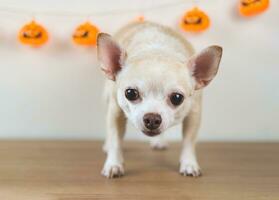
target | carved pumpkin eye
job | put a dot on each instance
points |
(252, 7)
(195, 20)
(86, 34)
(33, 34)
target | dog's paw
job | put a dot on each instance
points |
(190, 169)
(158, 144)
(113, 170)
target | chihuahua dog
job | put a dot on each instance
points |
(155, 80)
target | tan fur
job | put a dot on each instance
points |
(164, 61)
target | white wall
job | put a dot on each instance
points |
(55, 91)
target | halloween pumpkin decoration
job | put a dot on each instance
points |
(252, 7)
(195, 20)
(33, 34)
(140, 18)
(86, 34)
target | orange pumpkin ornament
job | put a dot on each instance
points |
(33, 34)
(140, 18)
(86, 34)
(195, 20)
(252, 7)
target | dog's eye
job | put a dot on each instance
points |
(132, 94)
(176, 98)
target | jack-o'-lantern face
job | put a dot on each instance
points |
(86, 34)
(140, 18)
(195, 20)
(252, 7)
(33, 34)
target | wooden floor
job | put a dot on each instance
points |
(71, 171)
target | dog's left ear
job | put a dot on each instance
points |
(110, 55)
(204, 66)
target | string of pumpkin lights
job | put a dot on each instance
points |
(97, 13)
(193, 20)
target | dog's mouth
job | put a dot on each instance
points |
(151, 133)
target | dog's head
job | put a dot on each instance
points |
(156, 92)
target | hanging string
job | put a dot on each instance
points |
(96, 13)
(196, 3)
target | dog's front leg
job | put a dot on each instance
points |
(116, 123)
(188, 161)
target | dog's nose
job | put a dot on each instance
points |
(152, 120)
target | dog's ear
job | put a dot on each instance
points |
(204, 66)
(110, 55)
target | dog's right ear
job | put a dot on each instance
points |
(110, 55)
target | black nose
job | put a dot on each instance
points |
(152, 120)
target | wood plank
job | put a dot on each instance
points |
(70, 170)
